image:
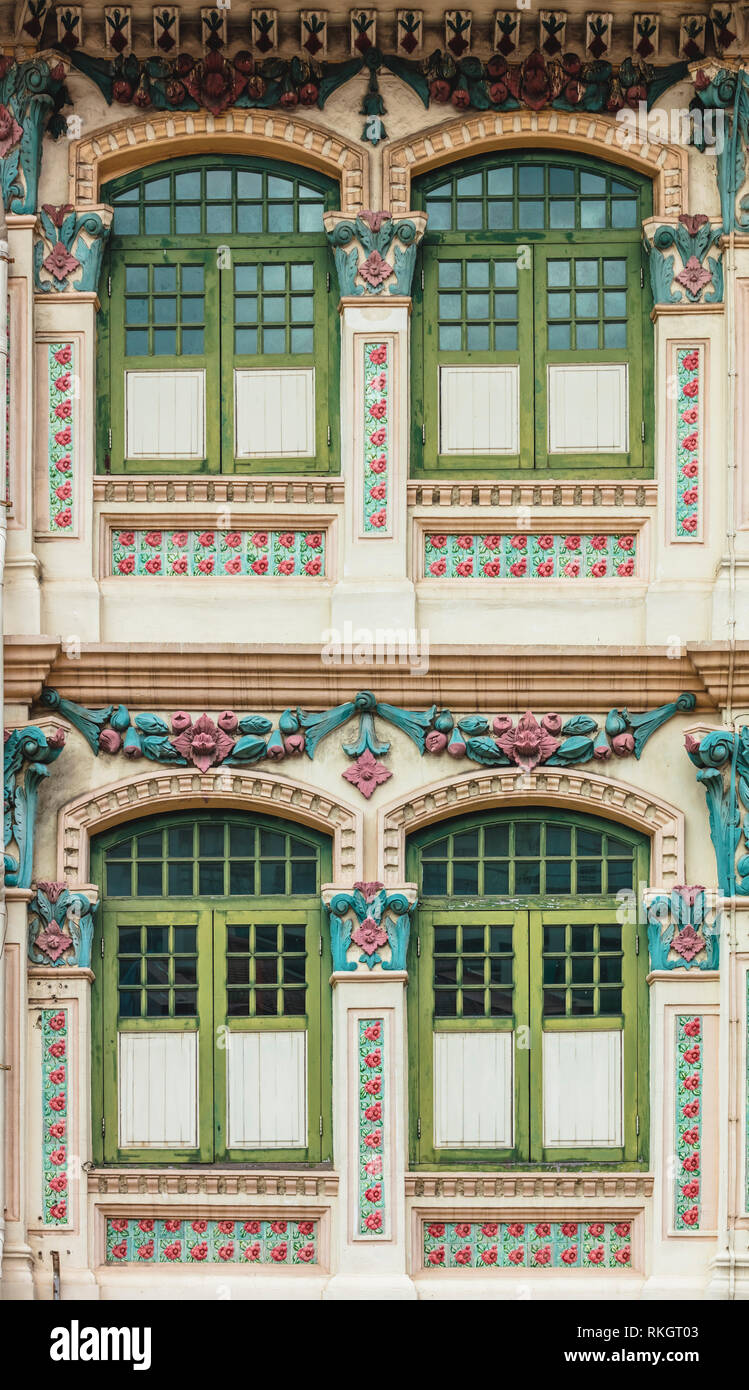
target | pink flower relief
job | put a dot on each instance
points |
(598, 570)
(545, 569)
(626, 569)
(691, 362)
(691, 388)
(690, 523)
(379, 355)
(313, 566)
(378, 409)
(691, 469)
(464, 569)
(64, 410)
(62, 383)
(519, 568)
(378, 465)
(378, 519)
(691, 416)
(64, 518)
(374, 1166)
(64, 465)
(690, 443)
(690, 496)
(377, 437)
(572, 569)
(60, 263)
(64, 491)
(234, 565)
(10, 131)
(64, 437)
(179, 564)
(379, 493)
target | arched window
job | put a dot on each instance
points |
(532, 342)
(218, 339)
(528, 1016)
(209, 1025)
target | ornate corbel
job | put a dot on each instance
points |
(683, 929)
(69, 248)
(28, 752)
(375, 253)
(722, 761)
(371, 919)
(32, 95)
(699, 276)
(61, 926)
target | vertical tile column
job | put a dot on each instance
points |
(369, 934)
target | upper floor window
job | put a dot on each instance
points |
(532, 343)
(218, 344)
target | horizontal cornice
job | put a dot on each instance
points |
(150, 676)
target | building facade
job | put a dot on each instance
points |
(376, 657)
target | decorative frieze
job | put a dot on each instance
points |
(506, 32)
(727, 28)
(61, 926)
(598, 29)
(363, 31)
(683, 930)
(692, 37)
(688, 1122)
(213, 32)
(374, 253)
(55, 1117)
(197, 1241)
(118, 28)
(377, 441)
(699, 278)
(510, 1244)
(646, 35)
(264, 30)
(69, 26)
(527, 556)
(61, 437)
(458, 26)
(409, 25)
(552, 32)
(372, 1121)
(192, 554)
(689, 442)
(314, 33)
(28, 753)
(166, 28)
(369, 919)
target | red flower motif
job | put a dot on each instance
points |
(60, 263)
(64, 518)
(489, 1257)
(378, 437)
(373, 1222)
(519, 568)
(372, 1033)
(437, 1257)
(378, 409)
(313, 566)
(379, 355)
(463, 1230)
(517, 1257)
(126, 565)
(279, 1252)
(529, 743)
(436, 1230)
(366, 774)
(690, 443)
(516, 1229)
(313, 540)
(199, 1251)
(10, 130)
(203, 744)
(464, 569)
(438, 567)
(369, 935)
(691, 388)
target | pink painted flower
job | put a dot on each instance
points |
(572, 569)
(199, 1227)
(58, 1156)
(63, 382)
(691, 416)
(691, 362)
(545, 569)
(378, 465)
(492, 542)
(285, 567)
(252, 1252)
(366, 774)
(692, 1055)
(259, 538)
(59, 1183)
(379, 355)
(690, 469)
(690, 443)
(691, 1217)
(373, 1112)
(546, 542)
(58, 1211)
(375, 271)
(598, 570)
(624, 1255)
(572, 542)
(372, 1033)
(64, 410)
(464, 568)
(118, 1224)
(691, 1164)
(693, 277)
(313, 566)
(369, 935)
(64, 355)
(64, 436)
(60, 263)
(438, 567)
(374, 1166)
(203, 744)
(306, 1253)
(378, 409)
(529, 742)
(373, 1222)
(199, 1251)
(626, 569)
(689, 497)
(465, 542)
(491, 569)
(226, 1252)
(692, 1083)
(691, 1189)
(374, 1085)
(516, 1229)
(489, 1257)
(691, 388)
(172, 1225)
(691, 1110)
(57, 1022)
(279, 1252)
(64, 491)
(569, 1228)
(119, 1251)
(179, 564)
(207, 564)
(691, 1136)
(519, 568)
(64, 518)
(153, 566)
(377, 437)
(378, 518)
(173, 1251)
(690, 523)
(518, 542)
(313, 540)
(179, 538)
(57, 1076)
(378, 493)
(234, 565)
(126, 537)
(436, 1230)
(462, 1257)
(126, 565)
(233, 539)
(374, 1058)
(595, 1256)
(436, 1257)
(260, 566)
(56, 1049)
(692, 1028)
(10, 131)
(517, 1257)
(152, 539)
(64, 465)
(569, 1256)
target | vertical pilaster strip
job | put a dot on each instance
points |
(61, 438)
(55, 1116)
(688, 1122)
(372, 1121)
(377, 439)
(689, 443)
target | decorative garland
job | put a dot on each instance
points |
(238, 741)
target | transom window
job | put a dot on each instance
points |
(531, 335)
(529, 983)
(211, 1019)
(218, 351)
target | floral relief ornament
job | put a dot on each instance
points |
(372, 1101)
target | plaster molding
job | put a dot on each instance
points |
(165, 790)
(293, 491)
(588, 134)
(124, 1182)
(579, 791)
(520, 1184)
(481, 493)
(142, 140)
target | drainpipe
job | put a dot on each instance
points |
(4, 500)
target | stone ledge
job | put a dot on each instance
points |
(117, 1182)
(542, 1185)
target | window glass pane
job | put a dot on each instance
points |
(218, 184)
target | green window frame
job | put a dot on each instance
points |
(189, 237)
(503, 232)
(519, 931)
(211, 923)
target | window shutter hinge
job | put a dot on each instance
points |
(637, 944)
(103, 1126)
(637, 1124)
(327, 281)
(418, 945)
(642, 431)
(321, 1126)
(422, 277)
(109, 286)
(642, 278)
(330, 437)
(109, 436)
(102, 947)
(319, 945)
(423, 434)
(418, 1128)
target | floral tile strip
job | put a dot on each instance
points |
(688, 443)
(61, 441)
(186, 1242)
(219, 554)
(55, 1116)
(527, 1245)
(530, 556)
(371, 1127)
(377, 457)
(7, 401)
(688, 1130)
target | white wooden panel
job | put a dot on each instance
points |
(274, 413)
(158, 1090)
(583, 1090)
(165, 415)
(479, 410)
(588, 409)
(473, 1090)
(266, 1090)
